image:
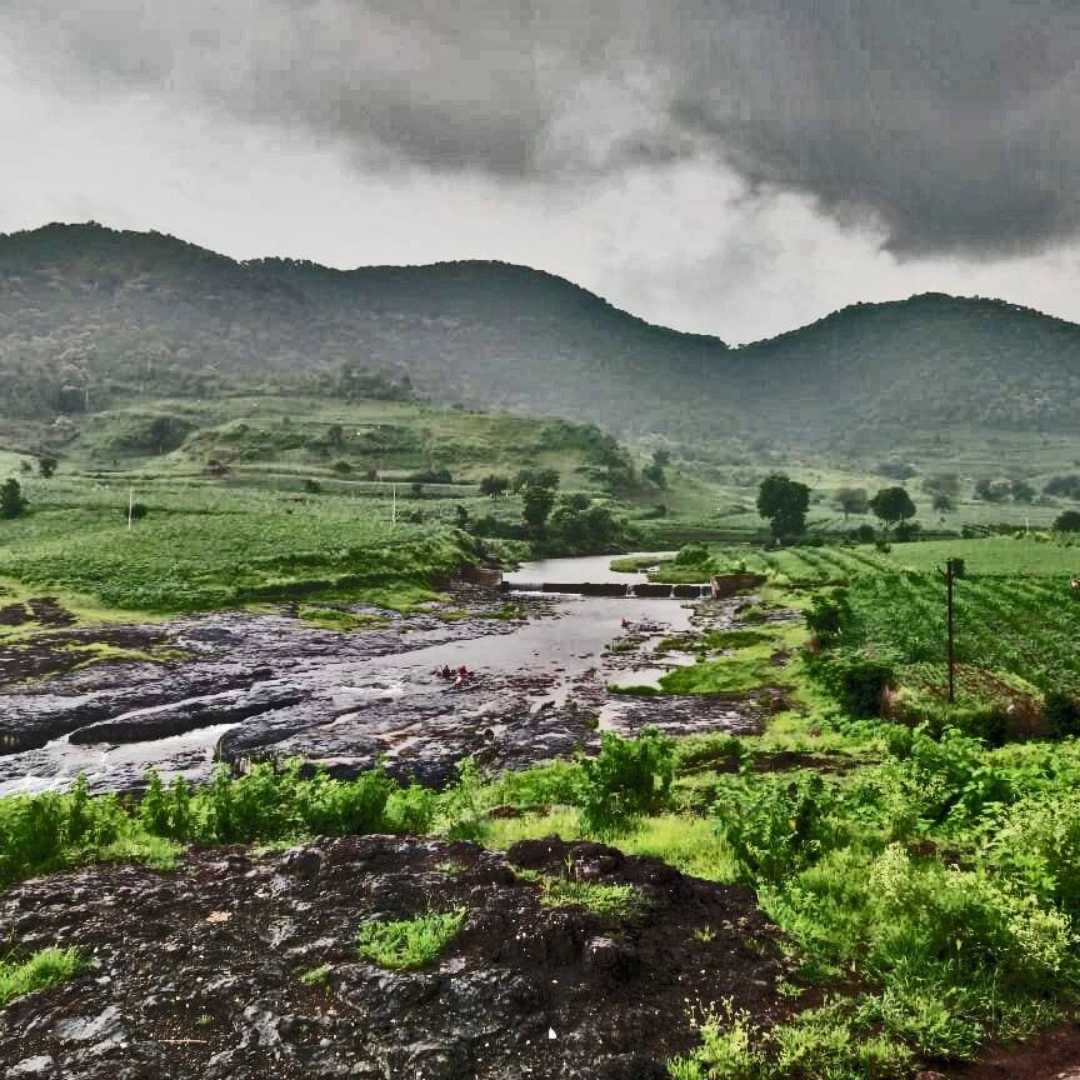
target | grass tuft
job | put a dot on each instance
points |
(46, 968)
(409, 943)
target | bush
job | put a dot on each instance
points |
(907, 531)
(1068, 521)
(12, 503)
(857, 682)
(776, 827)
(692, 555)
(629, 778)
(829, 616)
(1062, 714)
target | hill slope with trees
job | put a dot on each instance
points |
(90, 316)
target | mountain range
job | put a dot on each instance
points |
(90, 315)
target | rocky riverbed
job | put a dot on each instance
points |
(239, 687)
(206, 982)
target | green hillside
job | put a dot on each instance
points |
(91, 318)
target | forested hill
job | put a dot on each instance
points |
(931, 362)
(89, 315)
(148, 313)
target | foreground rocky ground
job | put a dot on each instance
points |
(197, 973)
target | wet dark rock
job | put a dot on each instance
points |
(175, 997)
(162, 721)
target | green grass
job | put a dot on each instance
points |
(317, 976)
(722, 677)
(690, 844)
(409, 943)
(344, 622)
(607, 901)
(46, 968)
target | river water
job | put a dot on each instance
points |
(560, 649)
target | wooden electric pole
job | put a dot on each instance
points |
(954, 568)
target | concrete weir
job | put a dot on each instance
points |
(613, 588)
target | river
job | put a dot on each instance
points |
(559, 654)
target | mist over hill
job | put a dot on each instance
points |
(89, 316)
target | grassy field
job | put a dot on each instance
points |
(258, 499)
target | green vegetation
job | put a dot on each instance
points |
(317, 976)
(409, 943)
(298, 327)
(48, 967)
(607, 901)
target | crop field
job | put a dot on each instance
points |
(255, 499)
(1016, 613)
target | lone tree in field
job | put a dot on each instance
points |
(46, 466)
(493, 486)
(892, 505)
(784, 503)
(851, 501)
(1067, 522)
(12, 503)
(942, 502)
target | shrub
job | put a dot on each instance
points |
(627, 779)
(692, 555)
(1062, 714)
(1068, 521)
(856, 681)
(776, 827)
(829, 615)
(12, 503)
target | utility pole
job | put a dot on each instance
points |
(954, 568)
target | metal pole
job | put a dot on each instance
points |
(949, 579)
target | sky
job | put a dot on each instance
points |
(736, 167)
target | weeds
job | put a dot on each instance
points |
(607, 901)
(408, 943)
(46, 968)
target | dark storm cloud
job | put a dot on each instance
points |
(953, 124)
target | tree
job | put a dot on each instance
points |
(1023, 492)
(336, 436)
(892, 505)
(654, 471)
(537, 502)
(1066, 522)
(493, 486)
(540, 478)
(342, 467)
(47, 466)
(942, 484)
(12, 503)
(852, 501)
(1067, 487)
(943, 502)
(990, 490)
(784, 503)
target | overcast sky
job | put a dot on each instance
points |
(739, 167)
